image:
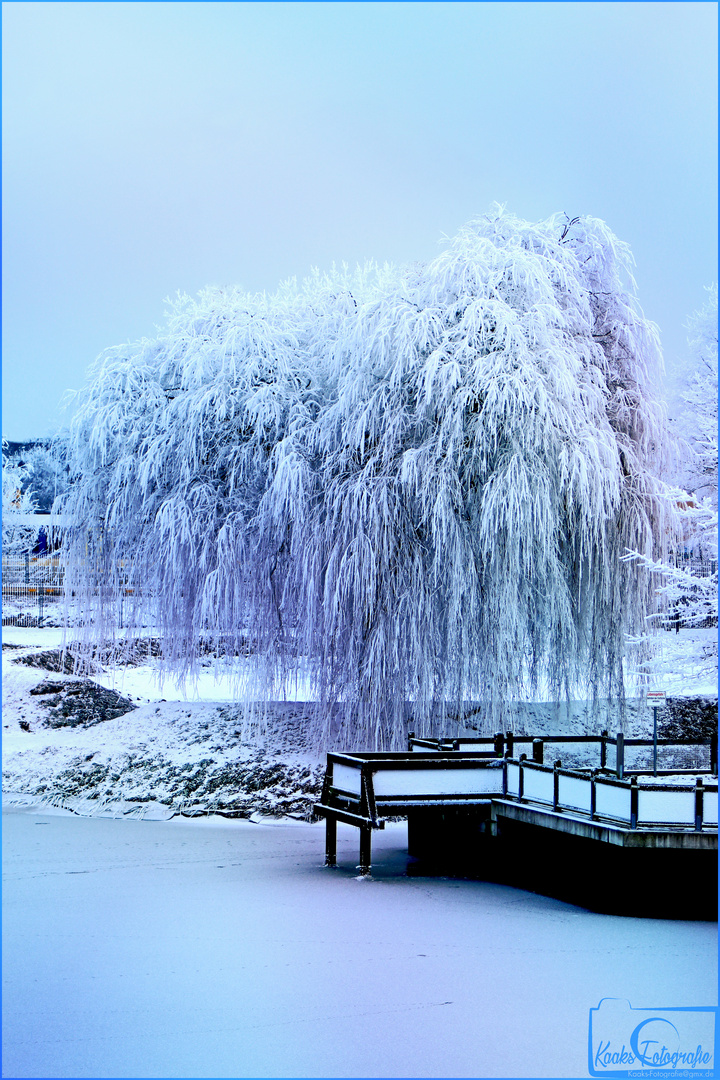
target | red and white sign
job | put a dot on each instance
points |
(656, 695)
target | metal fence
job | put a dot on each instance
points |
(29, 584)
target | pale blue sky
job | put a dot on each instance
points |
(157, 147)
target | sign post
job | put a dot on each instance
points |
(656, 698)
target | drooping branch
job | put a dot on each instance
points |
(425, 477)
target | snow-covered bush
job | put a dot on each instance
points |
(404, 485)
(17, 535)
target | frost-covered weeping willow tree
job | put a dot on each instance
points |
(407, 486)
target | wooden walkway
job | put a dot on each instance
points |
(611, 806)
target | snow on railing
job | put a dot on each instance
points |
(375, 785)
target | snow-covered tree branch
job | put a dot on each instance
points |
(410, 485)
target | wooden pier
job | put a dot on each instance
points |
(609, 838)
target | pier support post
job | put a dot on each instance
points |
(330, 841)
(365, 849)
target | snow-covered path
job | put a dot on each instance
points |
(225, 949)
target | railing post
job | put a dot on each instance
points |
(509, 744)
(41, 602)
(556, 784)
(537, 751)
(603, 748)
(411, 736)
(698, 804)
(714, 754)
(592, 796)
(620, 757)
(27, 567)
(633, 803)
(498, 744)
(521, 777)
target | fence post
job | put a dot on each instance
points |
(592, 796)
(556, 784)
(714, 754)
(41, 602)
(509, 743)
(411, 736)
(498, 744)
(698, 804)
(620, 756)
(521, 777)
(603, 748)
(655, 714)
(537, 751)
(633, 803)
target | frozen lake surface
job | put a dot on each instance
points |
(225, 949)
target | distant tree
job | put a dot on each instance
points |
(17, 535)
(405, 486)
(701, 395)
(47, 470)
(43, 466)
(687, 582)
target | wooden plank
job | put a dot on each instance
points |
(346, 817)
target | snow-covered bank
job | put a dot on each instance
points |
(63, 745)
(162, 749)
(226, 949)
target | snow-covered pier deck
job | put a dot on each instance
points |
(476, 809)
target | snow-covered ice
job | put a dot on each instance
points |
(226, 949)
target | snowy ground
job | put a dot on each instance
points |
(221, 948)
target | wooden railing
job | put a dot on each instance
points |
(509, 745)
(362, 789)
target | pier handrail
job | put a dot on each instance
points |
(497, 745)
